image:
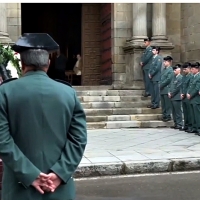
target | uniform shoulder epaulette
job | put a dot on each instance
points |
(64, 82)
(8, 80)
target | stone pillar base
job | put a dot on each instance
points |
(134, 75)
(4, 39)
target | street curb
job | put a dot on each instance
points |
(137, 167)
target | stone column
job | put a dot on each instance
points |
(139, 21)
(135, 47)
(159, 29)
(4, 37)
(159, 22)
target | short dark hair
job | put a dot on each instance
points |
(168, 58)
(147, 39)
(156, 48)
(195, 65)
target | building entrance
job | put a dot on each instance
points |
(63, 22)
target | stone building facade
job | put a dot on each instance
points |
(112, 37)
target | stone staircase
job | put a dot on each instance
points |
(113, 109)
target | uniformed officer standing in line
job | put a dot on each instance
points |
(174, 93)
(185, 102)
(43, 130)
(155, 76)
(166, 77)
(145, 63)
(194, 98)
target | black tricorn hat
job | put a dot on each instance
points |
(35, 41)
(168, 58)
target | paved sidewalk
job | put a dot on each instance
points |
(129, 151)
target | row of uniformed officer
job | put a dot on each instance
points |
(192, 124)
(183, 96)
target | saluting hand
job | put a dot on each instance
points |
(169, 95)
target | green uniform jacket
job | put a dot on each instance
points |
(193, 89)
(155, 69)
(175, 88)
(166, 78)
(185, 84)
(42, 129)
(146, 58)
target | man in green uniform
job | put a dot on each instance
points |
(166, 78)
(174, 94)
(194, 98)
(155, 76)
(42, 128)
(145, 63)
(185, 102)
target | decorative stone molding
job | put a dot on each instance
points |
(4, 37)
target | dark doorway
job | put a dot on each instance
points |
(60, 20)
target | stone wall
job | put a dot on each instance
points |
(121, 23)
(14, 20)
(173, 12)
(190, 32)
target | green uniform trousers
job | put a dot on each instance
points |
(195, 117)
(187, 114)
(147, 81)
(177, 113)
(155, 94)
(166, 106)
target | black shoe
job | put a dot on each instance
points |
(182, 129)
(146, 95)
(177, 127)
(167, 120)
(192, 131)
(172, 127)
(154, 107)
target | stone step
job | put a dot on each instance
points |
(145, 117)
(96, 125)
(139, 117)
(128, 124)
(97, 87)
(97, 118)
(121, 111)
(113, 99)
(109, 92)
(141, 104)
